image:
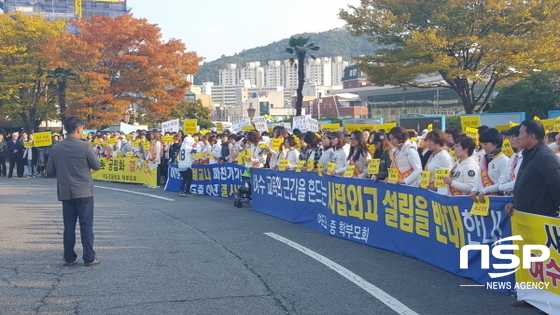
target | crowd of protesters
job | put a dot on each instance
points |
(478, 167)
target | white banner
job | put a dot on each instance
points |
(260, 124)
(170, 126)
(237, 125)
(301, 123)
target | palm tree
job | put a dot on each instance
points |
(299, 47)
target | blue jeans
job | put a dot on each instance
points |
(73, 209)
(31, 168)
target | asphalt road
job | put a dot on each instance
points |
(201, 255)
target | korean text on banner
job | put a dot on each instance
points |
(260, 124)
(170, 126)
(419, 223)
(212, 180)
(189, 126)
(539, 230)
(42, 139)
(126, 170)
(470, 122)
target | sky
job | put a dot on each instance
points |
(213, 28)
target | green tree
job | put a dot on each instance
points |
(24, 85)
(299, 47)
(535, 95)
(474, 45)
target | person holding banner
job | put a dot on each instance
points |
(507, 179)
(537, 184)
(31, 154)
(290, 153)
(313, 141)
(327, 150)
(464, 172)
(359, 155)
(257, 156)
(279, 132)
(405, 157)
(383, 152)
(492, 164)
(338, 155)
(439, 159)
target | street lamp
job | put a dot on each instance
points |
(251, 111)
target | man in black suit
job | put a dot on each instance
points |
(15, 154)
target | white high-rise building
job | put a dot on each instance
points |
(321, 71)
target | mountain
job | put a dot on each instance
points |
(336, 42)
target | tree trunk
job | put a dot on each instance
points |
(301, 81)
(61, 91)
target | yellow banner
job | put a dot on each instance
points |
(330, 127)
(128, 170)
(283, 165)
(538, 230)
(352, 128)
(28, 144)
(167, 139)
(393, 175)
(373, 166)
(247, 128)
(349, 171)
(425, 180)
(472, 133)
(112, 141)
(42, 139)
(507, 148)
(189, 126)
(320, 169)
(470, 122)
(441, 174)
(481, 208)
(386, 127)
(310, 164)
(219, 127)
(300, 165)
(276, 142)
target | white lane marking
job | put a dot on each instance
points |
(379, 294)
(135, 192)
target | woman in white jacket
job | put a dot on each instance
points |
(492, 164)
(359, 155)
(465, 171)
(290, 153)
(338, 155)
(439, 159)
(185, 164)
(406, 157)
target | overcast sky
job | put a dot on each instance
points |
(223, 27)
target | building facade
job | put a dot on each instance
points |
(66, 9)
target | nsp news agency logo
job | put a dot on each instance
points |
(499, 251)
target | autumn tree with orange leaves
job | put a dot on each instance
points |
(112, 63)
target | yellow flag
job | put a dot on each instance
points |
(393, 175)
(299, 165)
(320, 169)
(425, 182)
(310, 165)
(536, 118)
(283, 165)
(373, 166)
(430, 127)
(349, 171)
(331, 167)
(439, 178)
(506, 148)
(481, 208)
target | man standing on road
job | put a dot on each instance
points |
(15, 155)
(537, 184)
(70, 161)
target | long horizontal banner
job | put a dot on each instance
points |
(211, 179)
(127, 170)
(543, 275)
(408, 220)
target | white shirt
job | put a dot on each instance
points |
(407, 158)
(506, 182)
(339, 157)
(495, 169)
(465, 174)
